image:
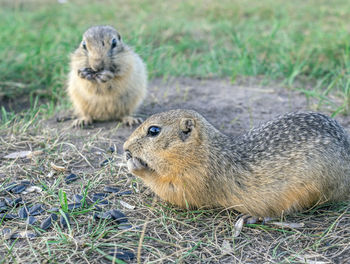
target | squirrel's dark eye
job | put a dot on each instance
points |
(153, 131)
(84, 45)
(114, 43)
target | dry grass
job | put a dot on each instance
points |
(168, 234)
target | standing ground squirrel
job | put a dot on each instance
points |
(286, 165)
(107, 79)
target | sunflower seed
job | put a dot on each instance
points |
(111, 150)
(19, 188)
(36, 209)
(64, 223)
(106, 215)
(118, 216)
(48, 221)
(105, 162)
(5, 216)
(288, 225)
(13, 203)
(31, 220)
(71, 178)
(33, 189)
(24, 234)
(111, 189)
(124, 226)
(57, 168)
(19, 154)
(17, 201)
(23, 212)
(126, 205)
(122, 254)
(3, 207)
(100, 198)
(238, 226)
(128, 192)
(53, 209)
(10, 186)
(8, 201)
(25, 182)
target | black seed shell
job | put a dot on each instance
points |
(23, 212)
(128, 192)
(118, 216)
(10, 186)
(105, 215)
(3, 207)
(100, 198)
(122, 254)
(19, 188)
(71, 178)
(36, 209)
(63, 221)
(25, 182)
(8, 216)
(17, 201)
(8, 201)
(111, 189)
(105, 162)
(124, 226)
(111, 150)
(31, 220)
(26, 235)
(53, 209)
(48, 221)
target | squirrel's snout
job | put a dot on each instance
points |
(97, 65)
(128, 154)
(97, 68)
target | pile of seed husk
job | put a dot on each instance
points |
(13, 206)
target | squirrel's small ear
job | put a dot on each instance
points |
(119, 36)
(187, 125)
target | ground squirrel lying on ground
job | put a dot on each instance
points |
(107, 80)
(286, 165)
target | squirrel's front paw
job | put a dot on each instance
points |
(87, 73)
(130, 121)
(104, 76)
(82, 122)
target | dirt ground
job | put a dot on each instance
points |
(169, 234)
(231, 107)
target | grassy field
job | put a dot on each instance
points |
(283, 40)
(301, 45)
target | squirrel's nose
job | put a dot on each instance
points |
(128, 154)
(97, 68)
(97, 65)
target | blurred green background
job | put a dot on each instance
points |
(303, 44)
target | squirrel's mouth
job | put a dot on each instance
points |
(135, 163)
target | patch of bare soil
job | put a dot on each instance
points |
(232, 108)
(159, 231)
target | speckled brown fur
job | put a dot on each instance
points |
(288, 164)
